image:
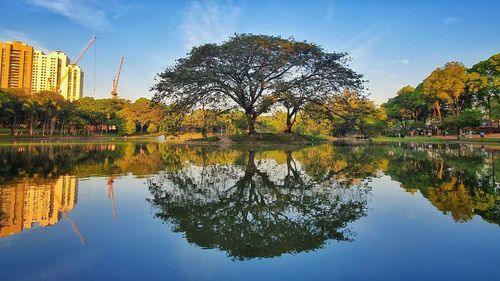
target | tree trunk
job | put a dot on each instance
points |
(489, 114)
(31, 123)
(251, 118)
(290, 120)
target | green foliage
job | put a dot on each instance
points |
(469, 118)
(408, 104)
(45, 112)
(172, 122)
(130, 127)
(253, 72)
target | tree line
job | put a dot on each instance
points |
(278, 84)
(259, 83)
(451, 97)
(48, 113)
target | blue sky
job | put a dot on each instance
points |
(393, 43)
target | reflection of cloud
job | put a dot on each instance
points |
(13, 35)
(449, 20)
(83, 12)
(207, 21)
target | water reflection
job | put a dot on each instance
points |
(248, 202)
(36, 201)
(264, 207)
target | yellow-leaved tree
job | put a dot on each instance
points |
(447, 86)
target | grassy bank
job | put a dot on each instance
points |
(61, 140)
(281, 138)
(438, 140)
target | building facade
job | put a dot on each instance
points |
(32, 71)
(16, 64)
(72, 85)
(48, 70)
(55, 69)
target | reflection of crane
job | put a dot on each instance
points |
(114, 89)
(71, 221)
(65, 75)
(111, 195)
(75, 227)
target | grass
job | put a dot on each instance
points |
(280, 138)
(207, 139)
(437, 140)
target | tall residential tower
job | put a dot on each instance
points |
(48, 70)
(16, 64)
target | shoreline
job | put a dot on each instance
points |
(227, 141)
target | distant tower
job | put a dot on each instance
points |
(114, 89)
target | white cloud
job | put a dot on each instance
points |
(83, 12)
(207, 22)
(13, 35)
(403, 61)
(449, 20)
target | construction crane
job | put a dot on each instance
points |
(65, 75)
(114, 89)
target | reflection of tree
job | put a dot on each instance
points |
(83, 160)
(249, 213)
(341, 165)
(456, 182)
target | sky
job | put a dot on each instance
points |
(393, 43)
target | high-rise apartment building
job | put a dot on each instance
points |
(72, 86)
(53, 70)
(32, 71)
(48, 70)
(16, 63)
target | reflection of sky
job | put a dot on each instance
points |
(403, 237)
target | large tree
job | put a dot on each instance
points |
(486, 80)
(252, 71)
(409, 107)
(449, 86)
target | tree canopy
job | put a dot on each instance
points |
(253, 72)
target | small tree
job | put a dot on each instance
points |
(130, 127)
(172, 123)
(469, 118)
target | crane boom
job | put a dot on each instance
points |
(114, 92)
(65, 75)
(85, 50)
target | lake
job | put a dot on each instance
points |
(154, 211)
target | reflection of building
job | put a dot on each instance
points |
(16, 62)
(24, 204)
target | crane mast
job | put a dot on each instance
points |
(114, 89)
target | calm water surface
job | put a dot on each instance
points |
(151, 211)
